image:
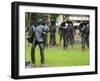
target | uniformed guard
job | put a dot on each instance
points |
(84, 33)
(70, 34)
(60, 32)
(38, 40)
(63, 30)
(52, 30)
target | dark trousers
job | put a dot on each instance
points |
(60, 38)
(52, 39)
(65, 43)
(41, 46)
(67, 39)
(70, 40)
(85, 40)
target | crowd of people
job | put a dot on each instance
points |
(38, 35)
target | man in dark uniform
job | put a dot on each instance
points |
(60, 32)
(63, 31)
(38, 39)
(52, 30)
(87, 31)
(70, 34)
(84, 33)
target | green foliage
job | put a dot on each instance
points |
(53, 17)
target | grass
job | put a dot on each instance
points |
(57, 56)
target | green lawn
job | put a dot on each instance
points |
(56, 56)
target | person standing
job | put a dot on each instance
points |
(84, 33)
(70, 34)
(63, 31)
(38, 40)
(60, 32)
(52, 30)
